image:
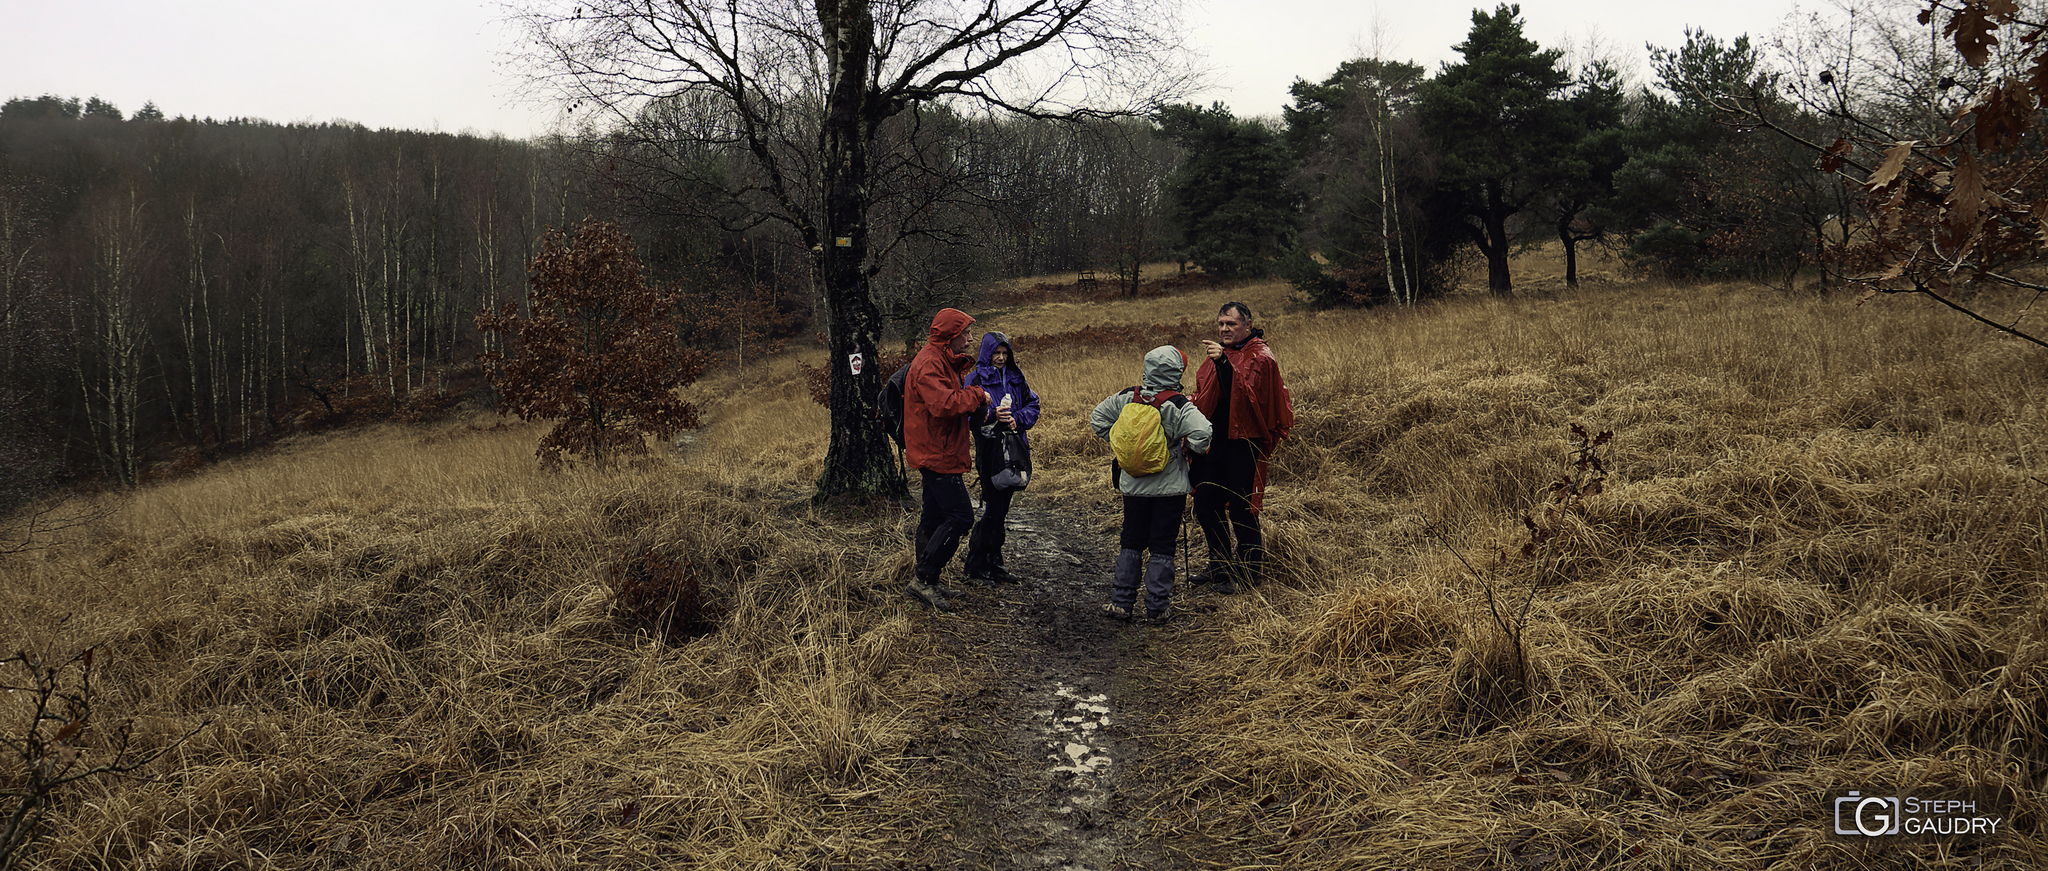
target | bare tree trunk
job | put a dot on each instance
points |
(115, 335)
(191, 305)
(360, 278)
(1571, 251)
(1495, 244)
(487, 264)
(864, 466)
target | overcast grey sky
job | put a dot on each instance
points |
(439, 64)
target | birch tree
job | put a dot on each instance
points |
(1362, 170)
(112, 334)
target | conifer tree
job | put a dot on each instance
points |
(1230, 197)
(1498, 122)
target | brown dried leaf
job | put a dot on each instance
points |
(2003, 118)
(1975, 33)
(1967, 200)
(1831, 159)
(1894, 161)
(1893, 211)
(2037, 72)
(70, 729)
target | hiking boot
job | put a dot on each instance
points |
(991, 576)
(947, 592)
(1156, 616)
(1223, 585)
(927, 594)
(1115, 611)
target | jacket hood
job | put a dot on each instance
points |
(1163, 367)
(948, 324)
(989, 343)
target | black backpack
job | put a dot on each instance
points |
(890, 405)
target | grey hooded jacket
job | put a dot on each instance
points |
(1182, 421)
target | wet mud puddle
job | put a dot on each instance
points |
(1080, 762)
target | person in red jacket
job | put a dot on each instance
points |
(937, 405)
(1240, 390)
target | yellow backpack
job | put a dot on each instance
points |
(1138, 438)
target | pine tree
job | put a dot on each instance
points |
(1498, 122)
(1230, 196)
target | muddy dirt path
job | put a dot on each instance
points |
(1051, 748)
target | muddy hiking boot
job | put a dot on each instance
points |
(1162, 614)
(1217, 577)
(928, 594)
(1126, 582)
(995, 575)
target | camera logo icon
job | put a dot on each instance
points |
(1868, 815)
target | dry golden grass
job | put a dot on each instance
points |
(1818, 565)
(396, 650)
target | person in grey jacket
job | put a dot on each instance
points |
(1153, 504)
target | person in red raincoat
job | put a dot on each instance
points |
(1240, 390)
(937, 408)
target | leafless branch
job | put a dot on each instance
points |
(51, 745)
(31, 528)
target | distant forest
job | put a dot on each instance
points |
(179, 289)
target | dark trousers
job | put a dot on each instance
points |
(1223, 506)
(985, 544)
(1150, 523)
(946, 516)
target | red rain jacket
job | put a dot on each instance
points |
(936, 404)
(1260, 406)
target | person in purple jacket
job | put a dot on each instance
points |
(996, 372)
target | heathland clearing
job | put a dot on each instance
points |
(1817, 565)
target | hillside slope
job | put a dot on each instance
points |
(1818, 564)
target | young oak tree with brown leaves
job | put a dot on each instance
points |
(1960, 210)
(598, 352)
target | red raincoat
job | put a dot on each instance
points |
(1261, 409)
(936, 404)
